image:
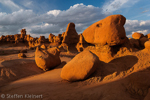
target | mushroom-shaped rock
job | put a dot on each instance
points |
(137, 35)
(108, 31)
(80, 67)
(47, 59)
(147, 44)
(70, 36)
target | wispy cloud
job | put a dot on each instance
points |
(10, 4)
(145, 11)
(113, 5)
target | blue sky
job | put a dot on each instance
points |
(41, 17)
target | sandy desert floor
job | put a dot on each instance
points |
(126, 77)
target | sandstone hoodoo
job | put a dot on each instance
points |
(47, 59)
(23, 33)
(70, 36)
(80, 67)
(81, 44)
(137, 35)
(109, 37)
(57, 39)
(41, 39)
(28, 37)
(51, 37)
(108, 31)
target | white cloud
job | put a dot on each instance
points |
(80, 14)
(142, 23)
(113, 5)
(132, 26)
(142, 31)
(17, 17)
(27, 3)
(54, 12)
(145, 11)
(55, 21)
(10, 4)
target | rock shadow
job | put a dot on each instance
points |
(116, 66)
(12, 70)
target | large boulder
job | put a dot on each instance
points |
(47, 59)
(70, 36)
(148, 35)
(104, 53)
(147, 45)
(108, 31)
(137, 35)
(80, 67)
